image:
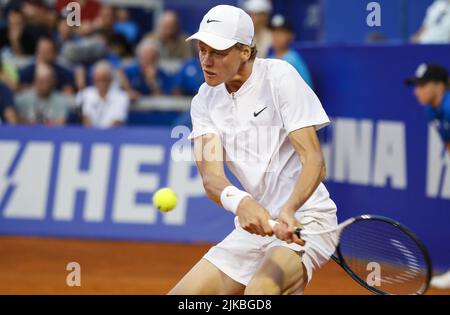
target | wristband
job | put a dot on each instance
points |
(230, 198)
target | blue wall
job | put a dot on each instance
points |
(345, 20)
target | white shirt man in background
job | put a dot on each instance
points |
(103, 105)
(436, 25)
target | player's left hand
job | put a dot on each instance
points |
(286, 227)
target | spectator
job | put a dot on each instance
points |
(123, 25)
(98, 40)
(46, 54)
(64, 33)
(43, 104)
(282, 37)
(38, 14)
(89, 8)
(145, 77)
(89, 11)
(190, 77)
(260, 11)
(7, 112)
(435, 28)
(103, 105)
(8, 73)
(431, 90)
(171, 40)
(19, 39)
(104, 24)
(86, 50)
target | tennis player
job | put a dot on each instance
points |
(261, 118)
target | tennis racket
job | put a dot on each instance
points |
(379, 253)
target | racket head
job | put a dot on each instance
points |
(403, 259)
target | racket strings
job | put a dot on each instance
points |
(384, 256)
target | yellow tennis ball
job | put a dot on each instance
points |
(165, 199)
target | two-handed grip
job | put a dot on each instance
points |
(297, 231)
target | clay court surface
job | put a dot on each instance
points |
(38, 266)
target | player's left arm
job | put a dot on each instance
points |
(307, 146)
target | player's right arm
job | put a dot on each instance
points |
(208, 152)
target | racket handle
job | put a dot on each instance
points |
(297, 231)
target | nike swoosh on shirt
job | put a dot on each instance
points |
(256, 114)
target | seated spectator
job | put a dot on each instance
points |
(103, 105)
(125, 26)
(283, 36)
(64, 33)
(7, 112)
(38, 14)
(43, 104)
(8, 73)
(104, 24)
(101, 42)
(172, 43)
(89, 8)
(260, 11)
(19, 39)
(46, 54)
(89, 11)
(190, 77)
(144, 77)
(435, 28)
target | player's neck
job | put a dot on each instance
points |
(239, 79)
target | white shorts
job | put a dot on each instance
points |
(240, 253)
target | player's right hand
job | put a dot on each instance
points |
(253, 217)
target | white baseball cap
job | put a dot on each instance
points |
(258, 6)
(224, 26)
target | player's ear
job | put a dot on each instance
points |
(246, 53)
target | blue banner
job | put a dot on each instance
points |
(79, 182)
(382, 156)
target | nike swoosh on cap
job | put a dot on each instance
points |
(210, 21)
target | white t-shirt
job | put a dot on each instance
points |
(254, 124)
(437, 23)
(103, 112)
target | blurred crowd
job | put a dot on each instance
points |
(108, 63)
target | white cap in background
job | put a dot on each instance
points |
(257, 6)
(224, 26)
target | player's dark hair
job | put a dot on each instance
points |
(253, 52)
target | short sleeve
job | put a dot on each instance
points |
(201, 121)
(299, 105)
